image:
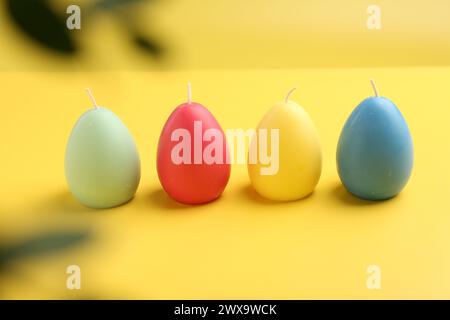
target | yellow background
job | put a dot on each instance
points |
(239, 246)
(202, 34)
(241, 57)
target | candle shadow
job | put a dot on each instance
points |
(251, 194)
(65, 202)
(159, 198)
(339, 192)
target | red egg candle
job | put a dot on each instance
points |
(192, 155)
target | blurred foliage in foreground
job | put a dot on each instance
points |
(47, 26)
(40, 245)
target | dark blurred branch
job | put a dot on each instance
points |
(41, 244)
(38, 21)
(142, 40)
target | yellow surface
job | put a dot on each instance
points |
(240, 246)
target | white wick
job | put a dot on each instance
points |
(189, 93)
(374, 87)
(91, 96)
(289, 94)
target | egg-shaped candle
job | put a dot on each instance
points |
(375, 150)
(102, 163)
(288, 135)
(192, 155)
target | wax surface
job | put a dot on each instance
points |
(102, 163)
(375, 150)
(300, 158)
(191, 183)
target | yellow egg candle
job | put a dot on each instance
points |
(300, 156)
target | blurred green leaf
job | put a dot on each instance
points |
(149, 45)
(38, 21)
(45, 243)
(113, 4)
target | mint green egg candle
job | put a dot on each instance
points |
(102, 163)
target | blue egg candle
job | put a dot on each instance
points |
(375, 150)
